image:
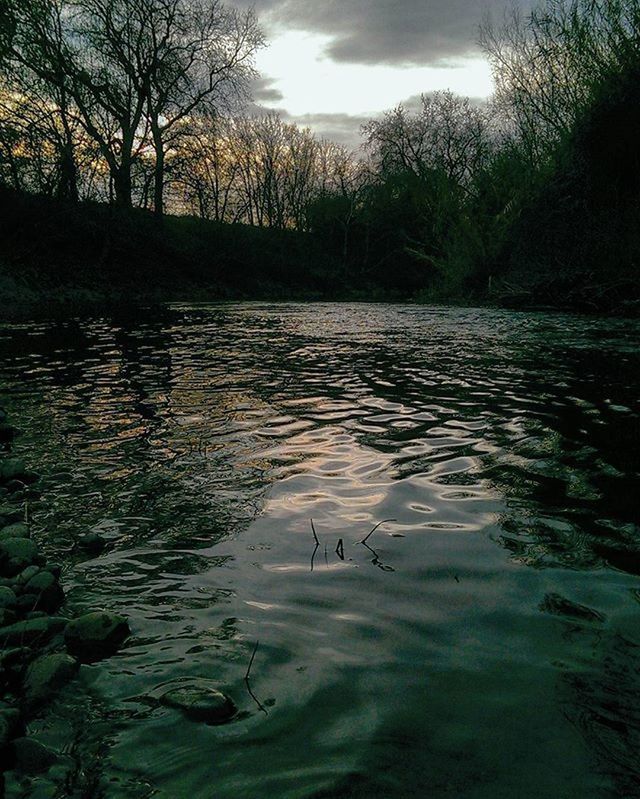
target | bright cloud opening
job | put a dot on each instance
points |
(311, 83)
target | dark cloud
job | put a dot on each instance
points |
(263, 91)
(340, 128)
(389, 31)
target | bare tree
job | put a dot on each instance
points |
(135, 69)
(547, 65)
(447, 134)
(203, 60)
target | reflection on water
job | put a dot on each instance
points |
(491, 627)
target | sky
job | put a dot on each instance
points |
(333, 64)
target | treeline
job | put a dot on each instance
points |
(530, 197)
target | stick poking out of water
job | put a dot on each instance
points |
(384, 521)
(315, 535)
(253, 655)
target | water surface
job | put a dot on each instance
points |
(484, 644)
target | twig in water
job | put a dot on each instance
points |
(253, 655)
(247, 683)
(367, 537)
(376, 560)
(315, 535)
(313, 554)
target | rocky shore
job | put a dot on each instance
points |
(42, 648)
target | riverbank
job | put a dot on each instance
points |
(41, 646)
(58, 254)
(59, 259)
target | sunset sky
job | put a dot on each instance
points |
(331, 65)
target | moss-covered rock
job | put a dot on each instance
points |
(15, 530)
(96, 635)
(8, 598)
(31, 631)
(11, 469)
(46, 675)
(16, 554)
(32, 757)
(200, 700)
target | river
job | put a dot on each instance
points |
(483, 643)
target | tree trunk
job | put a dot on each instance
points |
(158, 188)
(122, 185)
(68, 185)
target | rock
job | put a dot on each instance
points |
(26, 633)
(15, 530)
(8, 598)
(16, 488)
(49, 595)
(9, 723)
(32, 757)
(559, 606)
(30, 477)
(200, 700)
(93, 543)
(11, 468)
(7, 616)
(26, 574)
(46, 675)
(95, 635)
(10, 514)
(7, 432)
(18, 654)
(16, 554)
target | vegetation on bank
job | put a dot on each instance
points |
(530, 199)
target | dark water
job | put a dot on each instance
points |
(487, 644)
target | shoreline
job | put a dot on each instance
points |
(42, 646)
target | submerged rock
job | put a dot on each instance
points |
(93, 543)
(7, 432)
(46, 590)
(46, 675)
(559, 606)
(32, 757)
(9, 723)
(96, 635)
(10, 514)
(200, 700)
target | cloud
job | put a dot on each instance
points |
(416, 32)
(263, 91)
(340, 128)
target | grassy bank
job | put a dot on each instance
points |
(54, 254)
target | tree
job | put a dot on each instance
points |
(203, 61)
(548, 65)
(135, 67)
(448, 133)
